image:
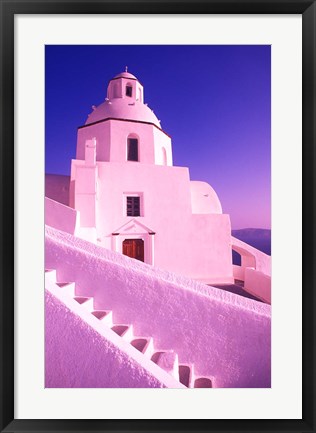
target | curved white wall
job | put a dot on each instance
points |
(204, 199)
(227, 337)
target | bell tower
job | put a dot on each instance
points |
(126, 86)
(124, 128)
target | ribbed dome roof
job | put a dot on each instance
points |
(122, 108)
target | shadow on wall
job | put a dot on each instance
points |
(57, 187)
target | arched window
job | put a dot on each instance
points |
(129, 90)
(132, 149)
(203, 382)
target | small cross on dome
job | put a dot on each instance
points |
(126, 68)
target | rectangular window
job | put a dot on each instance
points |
(133, 206)
(129, 91)
(132, 149)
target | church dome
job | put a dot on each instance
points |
(125, 75)
(121, 108)
(125, 101)
(204, 199)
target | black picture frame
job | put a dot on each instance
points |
(7, 12)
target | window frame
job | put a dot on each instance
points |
(140, 195)
(133, 205)
(129, 87)
(129, 139)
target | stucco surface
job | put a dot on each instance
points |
(61, 217)
(111, 137)
(57, 188)
(196, 245)
(187, 232)
(225, 336)
(258, 284)
(204, 199)
(251, 257)
(121, 108)
(120, 105)
(125, 75)
(76, 356)
(185, 236)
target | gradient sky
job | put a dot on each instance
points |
(214, 101)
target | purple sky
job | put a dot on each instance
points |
(214, 101)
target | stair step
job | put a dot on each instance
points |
(66, 288)
(50, 275)
(203, 382)
(149, 348)
(125, 331)
(186, 375)
(168, 361)
(144, 345)
(85, 301)
(104, 315)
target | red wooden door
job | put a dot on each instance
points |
(134, 248)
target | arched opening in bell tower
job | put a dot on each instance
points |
(129, 90)
(132, 148)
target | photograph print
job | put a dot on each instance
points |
(157, 216)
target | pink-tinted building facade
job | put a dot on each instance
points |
(115, 322)
(131, 199)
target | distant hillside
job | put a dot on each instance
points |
(258, 238)
(257, 233)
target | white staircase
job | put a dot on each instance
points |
(165, 359)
